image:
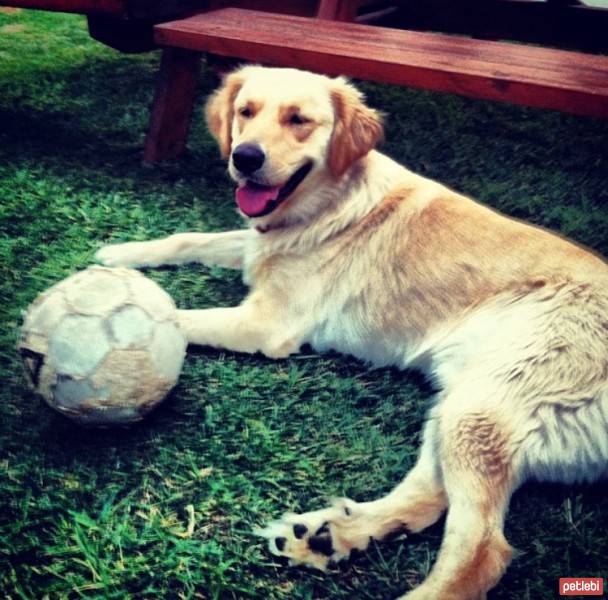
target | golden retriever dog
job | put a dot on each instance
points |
(350, 251)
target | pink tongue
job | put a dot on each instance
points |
(254, 200)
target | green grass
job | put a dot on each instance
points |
(105, 514)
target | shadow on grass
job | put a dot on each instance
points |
(92, 128)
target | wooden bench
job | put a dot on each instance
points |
(555, 79)
(125, 25)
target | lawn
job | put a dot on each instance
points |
(166, 509)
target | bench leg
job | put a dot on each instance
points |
(173, 104)
(337, 10)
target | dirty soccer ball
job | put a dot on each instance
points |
(103, 347)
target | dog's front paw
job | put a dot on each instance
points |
(317, 538)
(131, 254)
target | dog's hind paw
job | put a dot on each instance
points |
(317, 538)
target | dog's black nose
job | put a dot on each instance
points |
(248, 158)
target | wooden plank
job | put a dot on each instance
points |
(90, 7)
(134, 9)
(540, 77)
(173, 103)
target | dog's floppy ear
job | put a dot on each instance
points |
(357, 128)
(220, 111)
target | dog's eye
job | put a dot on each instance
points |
(245, 112)
(297, 119)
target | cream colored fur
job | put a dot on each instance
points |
(369, 259)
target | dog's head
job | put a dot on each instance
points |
(284, 130)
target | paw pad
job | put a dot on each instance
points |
(321, 544)
(323, 529)
(300, 531)
(315, 538)
(280, 542)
